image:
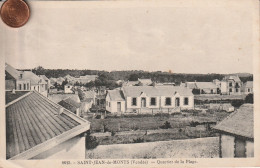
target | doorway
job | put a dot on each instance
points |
(118, 106)
(177, 102)
(143, 102)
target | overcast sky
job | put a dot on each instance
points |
(213, 39)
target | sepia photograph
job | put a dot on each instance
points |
(103, 82)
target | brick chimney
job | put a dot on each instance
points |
(60, 110)
(13, 91)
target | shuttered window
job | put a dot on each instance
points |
(153, 101)
(134, 101)
(168, 101)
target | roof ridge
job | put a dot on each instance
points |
(51, 102)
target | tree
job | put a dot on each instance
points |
(133, 77)
(39, 70)
(56, 85)
(249, 98)
(90, 141)
(196, 91)
(64, 83)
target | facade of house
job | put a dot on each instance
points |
(203, 87)
(115, 101)
(145, 99)
(237, 133)
(24, 80)
(231, 85)
(47, 80)
(68, 88)
(247, 87)
(38, 128)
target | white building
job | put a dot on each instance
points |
(143, 99)
(68, 88)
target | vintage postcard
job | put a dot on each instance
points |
(131, 84)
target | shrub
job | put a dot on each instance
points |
(104, 126)
(138, 140)
(166, 125)
(113, 133)
(194, 124)
(91, 141)
(237, 103)
(249, 98)
(196, 91)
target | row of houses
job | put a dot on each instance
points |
(143, 82)
(25, 81)
(73, 80)
(130, 99)
(230, 85)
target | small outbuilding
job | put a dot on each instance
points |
(237, 133)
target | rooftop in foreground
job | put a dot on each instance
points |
(239, 123)
(34, 126)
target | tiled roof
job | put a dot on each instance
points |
(44, 77)
(232, 77)
(71, 102)
(240, 122)
(34, 126)
(12, 71)
(145, 81)
(116, 95)
(35, 80)
(132, 91)
(205, 85)
(190, 85)
(248, 84)
(58, 97)
(89, 94)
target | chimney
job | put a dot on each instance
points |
(60, 110)
(13, 91)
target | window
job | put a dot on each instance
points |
(230, 90)
(153, 101)
(230, 84)
(28, 86)
(20, 86)
(168, 101)
(109, 104)
(134, 101)
(24, 86)
(237, 85)
(186, 101)
(248, 90)
(236, 89)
